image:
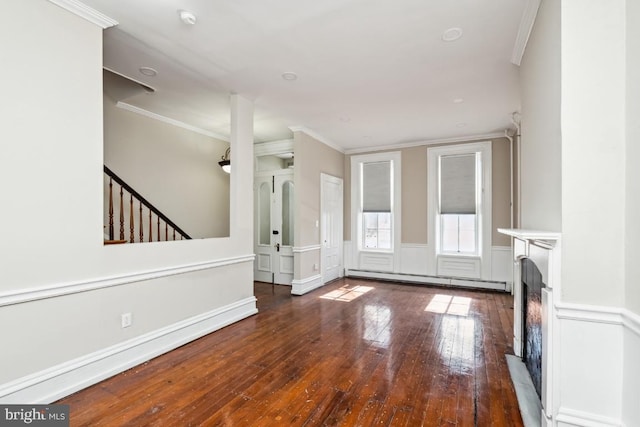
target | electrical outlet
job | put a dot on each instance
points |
(126, 320)
(315, 267)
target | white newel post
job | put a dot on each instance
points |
(543, 248)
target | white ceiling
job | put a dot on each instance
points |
(370, 72)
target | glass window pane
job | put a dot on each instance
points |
(287, 213)
(384, 221)
(449, 225)
(265, 213)
(384, 239)
(467, 241)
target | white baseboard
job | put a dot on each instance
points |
(429, 280)
(62, 380)
(570, 418)
(302, 286)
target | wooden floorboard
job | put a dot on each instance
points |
(352, 353)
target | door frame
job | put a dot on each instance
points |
(324, 180)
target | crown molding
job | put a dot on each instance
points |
(82, 10)
(273, 147)
(318, 137)
(468, 138)
(524, 30)
(170, 121)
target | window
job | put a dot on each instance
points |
(376, 211)
(458, 233)
(376, 205)
(377, 230)
(459, 210)
(458, 203)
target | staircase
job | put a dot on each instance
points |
(145, 222)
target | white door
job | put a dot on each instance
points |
(274, 228)
(331, 227)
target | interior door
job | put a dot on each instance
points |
(274, 227)
(331, 227)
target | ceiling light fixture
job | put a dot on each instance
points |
(148, 71)
(187, 17)
(225, 163)
(289, 76)
(452, 34)
(458, 101)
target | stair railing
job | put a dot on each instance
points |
(169, 227)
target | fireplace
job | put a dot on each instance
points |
(532, 321)
(536, 282)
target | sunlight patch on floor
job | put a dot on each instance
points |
(347, 293)
(447, 304)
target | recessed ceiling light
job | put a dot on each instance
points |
(461, 125)
(148, 71)
(452, 34)
(187, 17)
(289, 76)
(458, 101)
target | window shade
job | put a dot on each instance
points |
(376, 187)
(458, 184)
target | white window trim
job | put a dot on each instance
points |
(484, 213)
(386, 260)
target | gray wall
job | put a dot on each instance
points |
(541, 179)
(414, 193)
(312, 159)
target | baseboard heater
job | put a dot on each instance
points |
(428, 280)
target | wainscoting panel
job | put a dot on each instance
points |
(589, 375)
(54, 383)
(458, 266)
(286, 264)
(631, 370)
(414, 259)
(376, 261)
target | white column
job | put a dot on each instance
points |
(241, 220)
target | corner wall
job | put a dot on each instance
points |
(574, 149)
(62, 291)
(312, 158)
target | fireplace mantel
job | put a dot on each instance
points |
(543, 248)
(547, 238)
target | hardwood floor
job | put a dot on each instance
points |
(353, 353)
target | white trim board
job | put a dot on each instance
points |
(66, 378)
(170, 121)
(82, 10)
(455, 140)
(524, 30)
(34, 294)
(318, 137)
(428, 280)
(302, 249)
(303, 286)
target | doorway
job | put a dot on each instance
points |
(331, 193)
(274, 218)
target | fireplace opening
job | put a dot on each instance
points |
(532, 286)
